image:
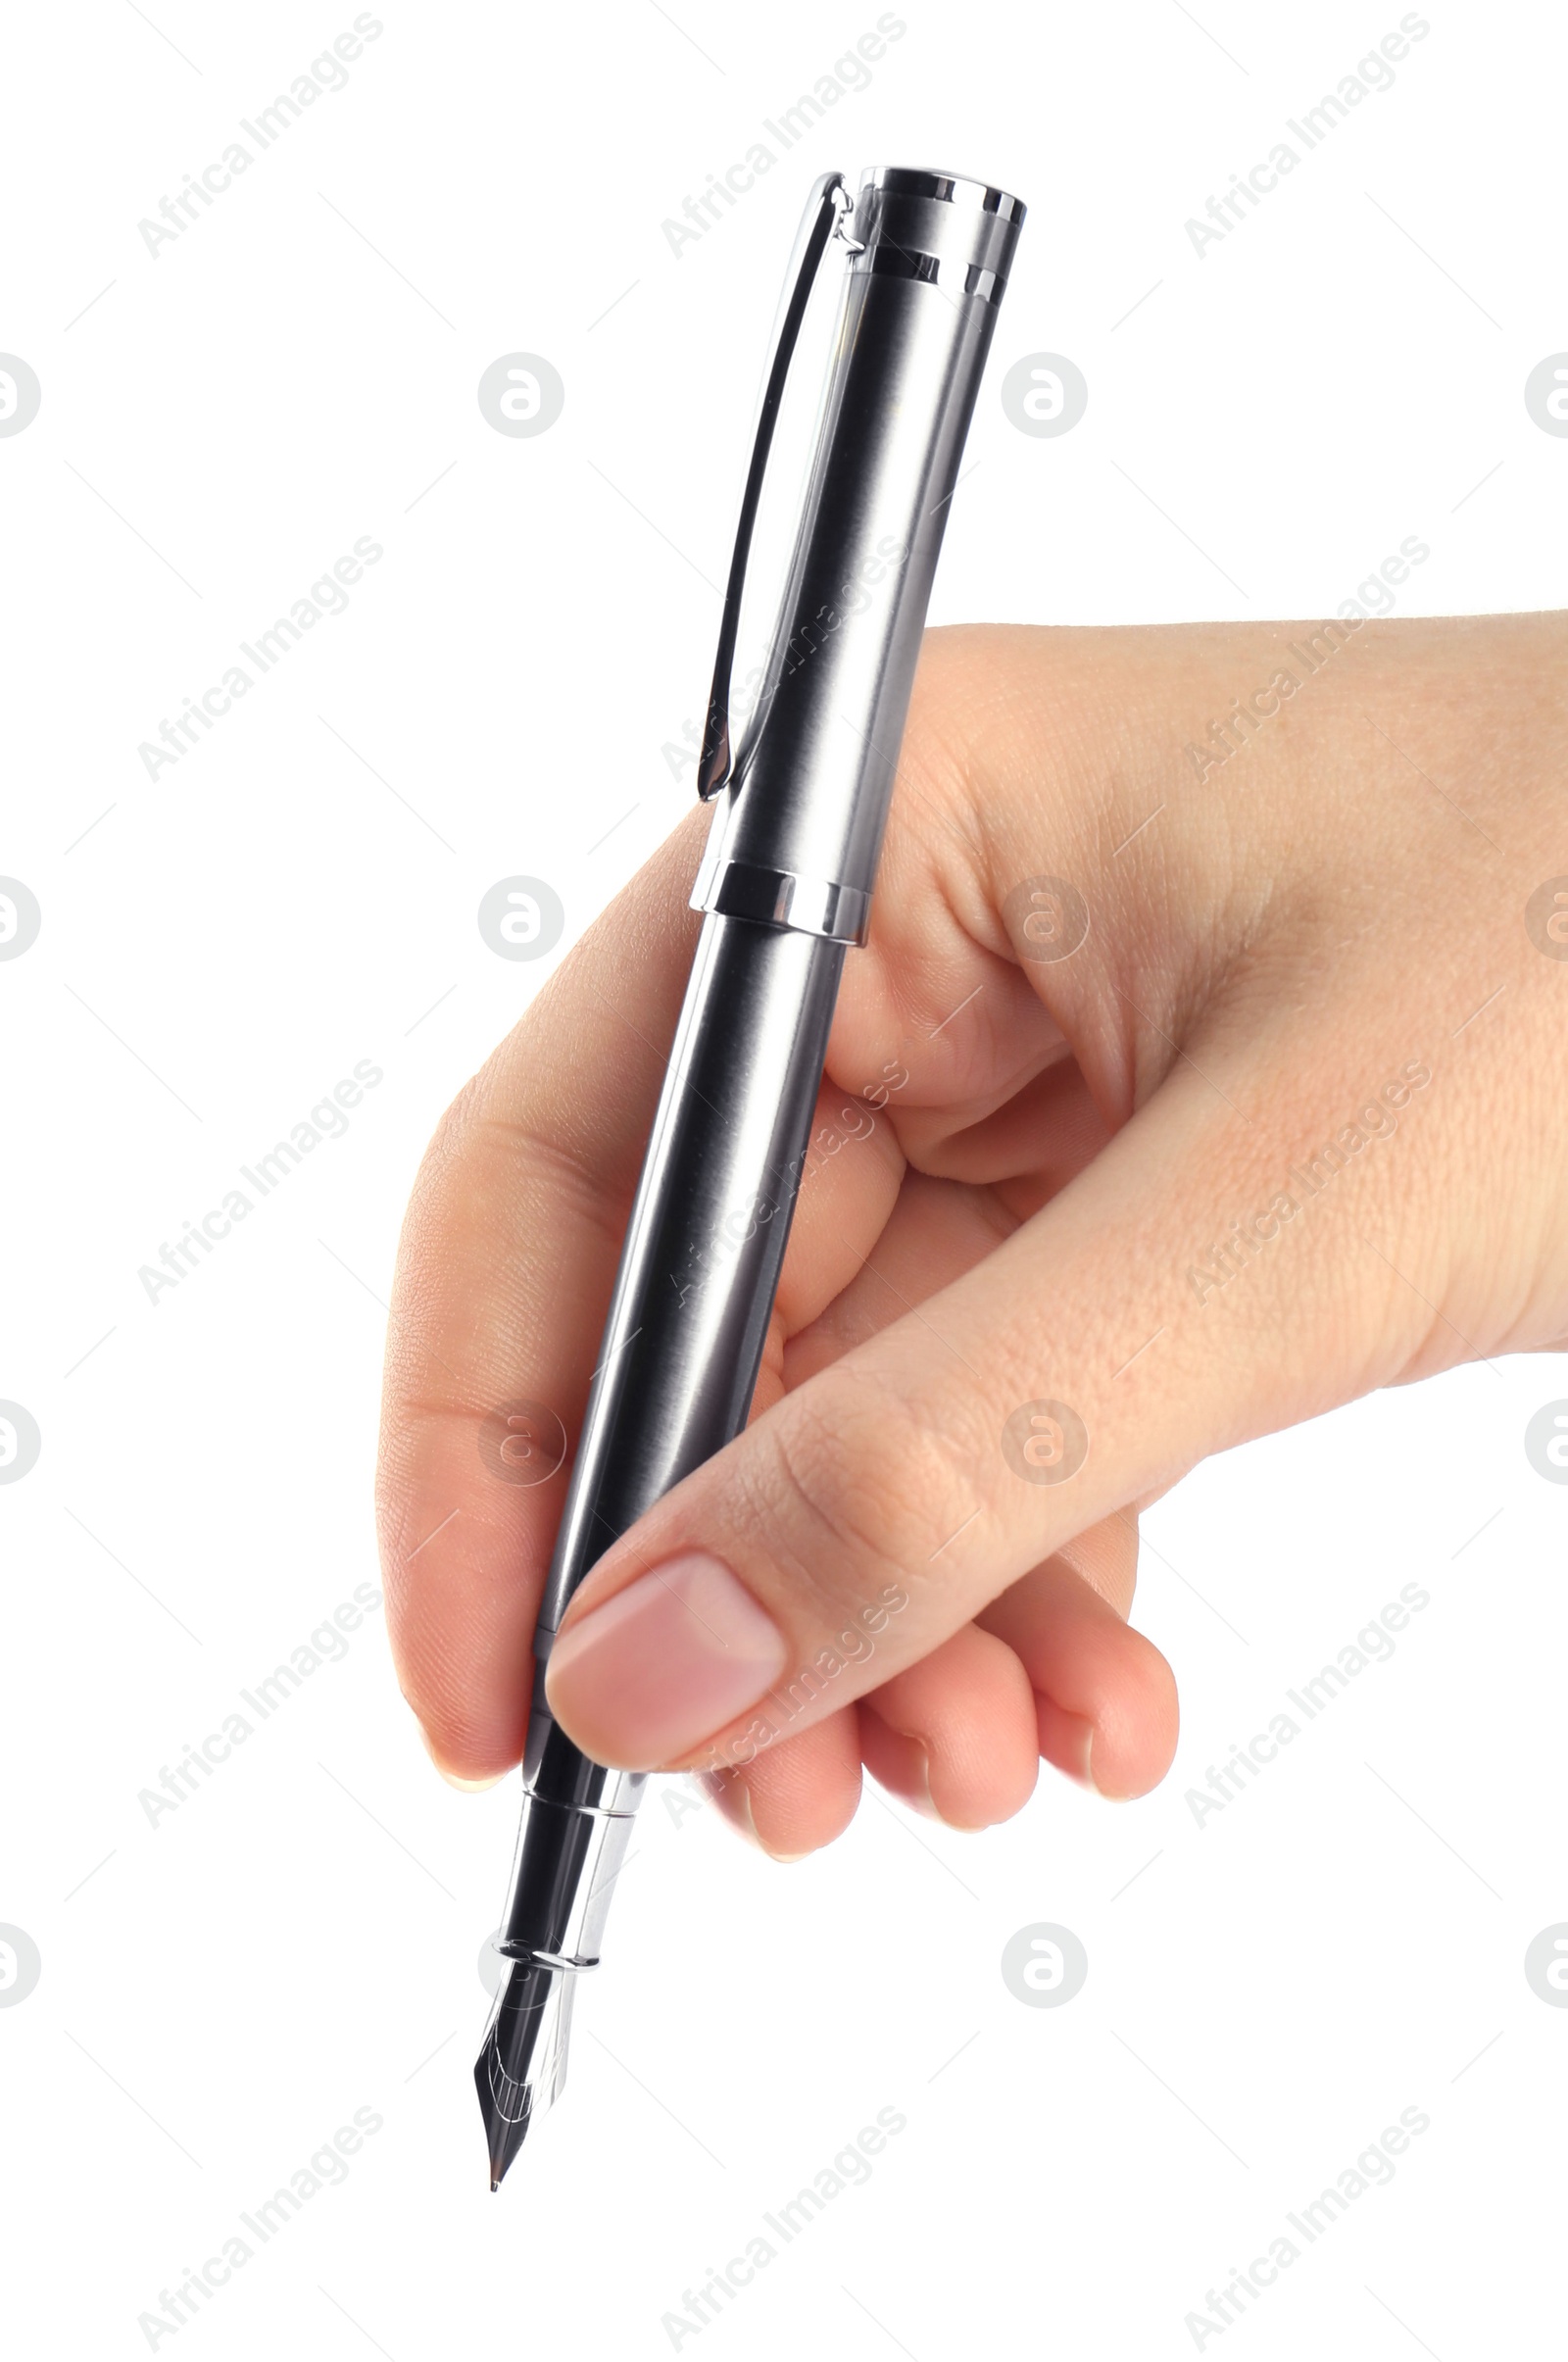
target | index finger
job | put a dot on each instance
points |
(504, 1271)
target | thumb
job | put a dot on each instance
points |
(887, 1501)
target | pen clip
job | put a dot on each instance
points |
(827, 210)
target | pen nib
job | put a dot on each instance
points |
(522, 2063)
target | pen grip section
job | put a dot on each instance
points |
(568, 1860)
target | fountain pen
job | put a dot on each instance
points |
(784, 888)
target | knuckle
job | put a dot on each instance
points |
(877, 1482)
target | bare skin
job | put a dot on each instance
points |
(1340, 907)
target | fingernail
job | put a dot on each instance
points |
(663, 1664)
(453, 1779)
(1091, 1780)
(733, 1799)
(1111, 1796)
(1079, 1735)
(727, 1792)
(921, 1797)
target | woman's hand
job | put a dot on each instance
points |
(1205, 1068)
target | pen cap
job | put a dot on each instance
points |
(798, 830)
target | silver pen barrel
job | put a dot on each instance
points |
(786, 888)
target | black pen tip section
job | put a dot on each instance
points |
(507, 2108)
(504, 2137)
(523, 2064)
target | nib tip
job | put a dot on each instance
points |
(521, 2065)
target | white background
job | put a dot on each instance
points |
(218, 424)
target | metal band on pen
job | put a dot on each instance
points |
(778, 898)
